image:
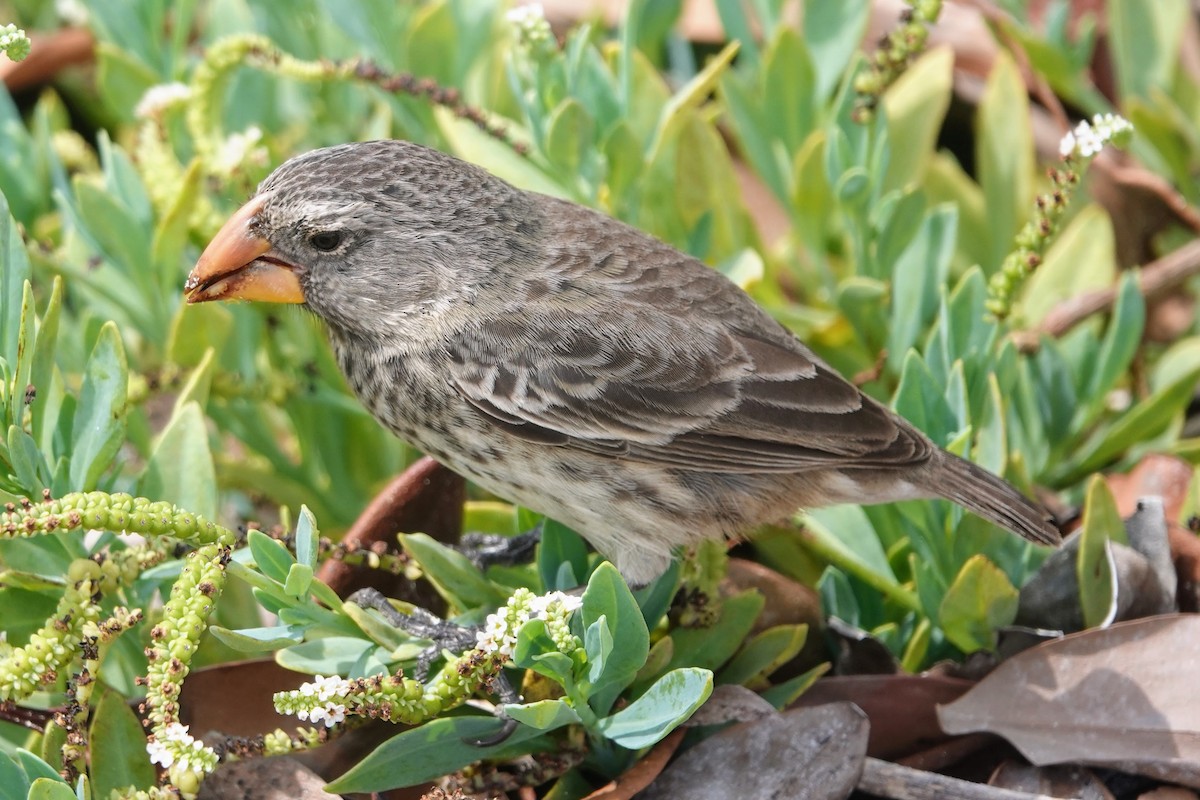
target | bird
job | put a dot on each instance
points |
(569, 362)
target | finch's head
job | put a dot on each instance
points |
(370, 236)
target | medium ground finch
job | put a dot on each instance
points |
(569, 362)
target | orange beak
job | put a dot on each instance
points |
(238, 265)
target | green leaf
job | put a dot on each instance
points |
(99, 426)
(1094, 565)
(259, 640)
(598, 644)
(570, 136)
(1087, 239)
(917, 278)
(180, 469)
(765, 653)
(50, 789)
(1004, 154)
(915, 107)
(1144, 39)
(452, 573)
(298, 581)
(308, 538)
(14, 271)
(471, 144)
(335, 655)
(437, 748)
(689, 97)
(784, 694)
(1143, 422)
(1121, 340)
(980, 600)
(561, 547)
(35, 767)
(712, 646)
(544, 715)
(271, 557)
(48, 403)
(608, 597)
(14, 785)
(670, 701)
(833, 32)
(118, 747)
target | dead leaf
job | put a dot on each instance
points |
(1168, 793)
(901, 708)
(640, 775)
(730, 703)
(804, 754)
(1056, 781)
(1123, 697)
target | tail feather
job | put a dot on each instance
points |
(992, 498)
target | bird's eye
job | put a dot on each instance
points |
(326, 241)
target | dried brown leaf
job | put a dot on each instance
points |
(1122, 697)
(804, 754)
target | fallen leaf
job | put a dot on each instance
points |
(803, 754)
(1057, 781)
(901, 708)
(1121, 697)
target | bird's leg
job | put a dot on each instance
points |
(485, 549)
(422, 624)
(445, 635)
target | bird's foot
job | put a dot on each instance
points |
(444, 635)
(486, 549)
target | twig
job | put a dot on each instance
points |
(1141, 178)
(1157, 278)
(885, 779)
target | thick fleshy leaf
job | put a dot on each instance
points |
(118, 747)
(1094, 565)
(432, 750)
(980, 601)
(663, 706)
(544, 715)
(99, 427)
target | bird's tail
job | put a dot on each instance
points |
(992, 498)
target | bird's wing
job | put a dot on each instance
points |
(683, 391)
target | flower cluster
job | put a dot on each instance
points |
(1077, 148)
(185, 758)
(158, 99)
(330, 694)
(893, 55)
(499, 634)
(530, 24)
(1089, 138)
(55, 645)
(175, 637)
(14, 42)
(120, 513)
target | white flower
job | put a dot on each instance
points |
(1088, 139)
(161, 97)
(14, 42)
(527, 15)
(239, 148)
(72, 12)
(530, 23)
(174, 745)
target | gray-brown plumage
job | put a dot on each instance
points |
(569, 362)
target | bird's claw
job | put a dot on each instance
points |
(485, 549)
(445, 635)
